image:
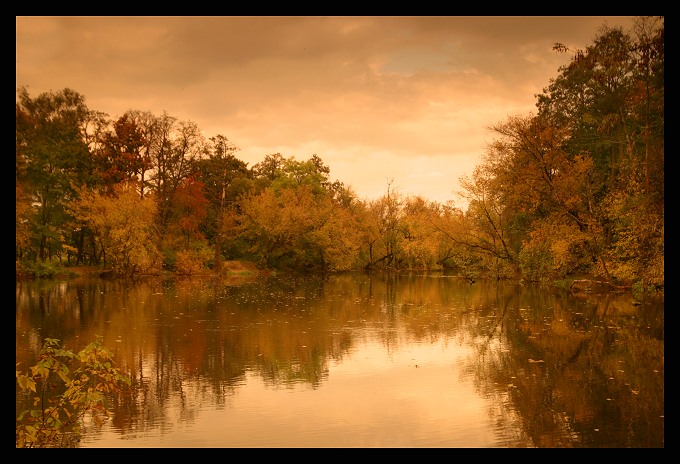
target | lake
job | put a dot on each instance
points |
(361, 360)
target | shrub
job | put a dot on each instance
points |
(65, 387)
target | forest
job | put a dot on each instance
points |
(575, 190)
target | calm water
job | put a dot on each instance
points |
(361, 361)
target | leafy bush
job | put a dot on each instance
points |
(41, 269)
(189, 262)
(65, 387)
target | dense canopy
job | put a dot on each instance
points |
(575, 190)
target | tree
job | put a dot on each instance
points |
(268, 169)
(649, 60)
(189, 211)
(51, 153)
(225, 178)
(123, 224)
(432, 237)
(300, 220)
(174, 148)
(120, 159)
(23, 221)
(293, 174)
(611, 96)
(488, 234)
(590, 96)
(564, 192)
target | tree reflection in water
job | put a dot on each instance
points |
(546, 367)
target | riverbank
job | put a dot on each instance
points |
(229, 269)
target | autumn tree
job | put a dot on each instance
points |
(225, 179)
(189, 211)
(176, 146)
(432, 234)
(488, 233)
(121, 159)
(611, 96)
(124, 227)
(267, 170)
(565, 192)
(300, 220)
(649, 59)
(147, 129)
(409, 232)
(51, 153)
(24, 216)
(293, 174)
(184, 236)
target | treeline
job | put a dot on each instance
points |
(577, 189)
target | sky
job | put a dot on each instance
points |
(395, 102)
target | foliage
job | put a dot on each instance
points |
(386, 232)
(65, 387)
(177, 147)
(193, 261)
(570, 190)
(188, 212)
(123, 224)
(42, 269)
(121, 158)
(51, 153)
(224, 178)
(637, 249)
(300, 220)
(23, 221)
(577, 188)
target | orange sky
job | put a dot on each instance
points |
(405, 100)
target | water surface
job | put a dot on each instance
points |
(357, 360)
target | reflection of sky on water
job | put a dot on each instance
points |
(374, 397)
(332, 363)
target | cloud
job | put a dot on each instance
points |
(408, 98)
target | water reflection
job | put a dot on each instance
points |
(359, 360)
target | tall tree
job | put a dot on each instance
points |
(385, 230)
(269, 168)
(120, 159)
(177, 145)
(147, 127)
(225, 179)
(649, 101)
(488, 235)
(51, 155)
(566, 192)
